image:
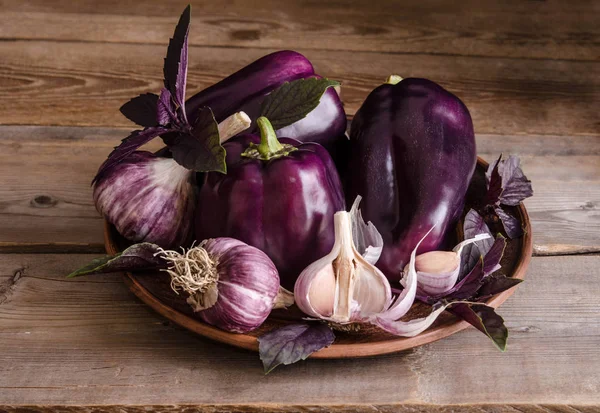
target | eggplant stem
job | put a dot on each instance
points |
(393, 79)
(232, 125)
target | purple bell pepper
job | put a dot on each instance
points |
(246, 89)
(278, 195)
(412, 157)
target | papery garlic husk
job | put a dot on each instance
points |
(229, 284)
(148, 199)
(342, 287)
(438, 271)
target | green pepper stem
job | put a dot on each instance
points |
(393, 79)
(269, 146)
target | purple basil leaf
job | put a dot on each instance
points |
(469, 257)
(175, 68)
(165, 112)
(293, 343)
(294, 100)
(474, 225)
(468, 286)
(138, 257)
(141, 110)
(200, 151)
(491, 261)
(511, 225)
(515, 185)
(485, 319)
(128, 146)
(494, 183)
(495, 284)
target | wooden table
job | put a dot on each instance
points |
(528, 70)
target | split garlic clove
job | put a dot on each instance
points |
(438, 271)
(343, 287)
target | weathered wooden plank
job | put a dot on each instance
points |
(321, 408)
(551, 30)
(46, 202)
(90, 342)
(72, 83)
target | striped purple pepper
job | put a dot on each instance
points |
(278, 195)
(412, 156)
(246, 89)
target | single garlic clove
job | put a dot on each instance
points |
(321, 292)
(437, 262)
(438, 271)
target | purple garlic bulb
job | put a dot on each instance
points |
(230, 284)
(148, 199)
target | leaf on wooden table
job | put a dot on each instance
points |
(138, 257)
(485, 319)
(293, 343)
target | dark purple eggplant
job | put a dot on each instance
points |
(246, 89)
(278, 195)
(412, 157)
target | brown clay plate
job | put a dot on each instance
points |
(154, 290)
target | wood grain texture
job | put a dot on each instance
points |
(89, 342)
(71, 83)
(549, 29)
(321, 408)
(46, 202)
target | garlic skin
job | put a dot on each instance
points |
(148, 199)
(438, 270)
(342, 287)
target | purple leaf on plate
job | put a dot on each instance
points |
(469, 257)
(293, 343)
(511, 225)
(474, 225)
(515, 185)
(468, 286)
(138, 257)
(495, 284)
(175, 67)
(141, 109)
(485, 319)
(491, 261)
(128, 146)
(200, 151)
(494, 183)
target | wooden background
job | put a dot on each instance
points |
(529, 71)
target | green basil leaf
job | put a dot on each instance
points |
(294, 100)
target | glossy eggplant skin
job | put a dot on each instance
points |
(412, 157)
(246, 89)
(283, 206)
